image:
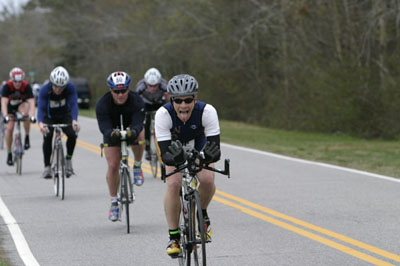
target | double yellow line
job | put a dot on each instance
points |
(290, 223)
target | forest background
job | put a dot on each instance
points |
(329, 66)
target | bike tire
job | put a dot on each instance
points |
(199, 234)
(18, 155)
(184, 257)
(2, 135)
(62, 172)
(125, 197)
(56, 178)
(153, 155)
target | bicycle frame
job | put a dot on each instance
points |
(192, 241)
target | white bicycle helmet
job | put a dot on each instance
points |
(152, 76)
(59, 77)
(182, 85)
(17, 74)
(118, 80)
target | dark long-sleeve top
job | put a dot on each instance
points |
(108, 113)
(57, 105)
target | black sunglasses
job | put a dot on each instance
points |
(187, 100)
(59, 87)
(119, 91)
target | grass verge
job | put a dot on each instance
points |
(376, 156)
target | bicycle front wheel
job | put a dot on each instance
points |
(125, 196)
(198, 232)
(55, 172)
(61, 171)
(153, 153)
(2, 134)
(18, 155)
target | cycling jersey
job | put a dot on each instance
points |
(157, 98)
(57, 106)
(108, 113)
(16, 97)
(203, 123)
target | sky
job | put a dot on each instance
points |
(14, 4)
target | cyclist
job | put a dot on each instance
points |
(153, 89)
(17, 96)
(120, 100)
(58, 104)
(185, 120)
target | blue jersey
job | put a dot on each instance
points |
(55, 106)
(192, 129)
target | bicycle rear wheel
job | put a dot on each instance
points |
(198, 231)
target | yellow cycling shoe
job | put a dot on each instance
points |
(173, 248)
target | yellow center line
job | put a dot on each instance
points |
(343, 238)
(320, 239)
(305, 233)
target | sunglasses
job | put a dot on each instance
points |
(186, 100)
(119, 91)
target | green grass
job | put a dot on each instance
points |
(377, 156)
(3, 263)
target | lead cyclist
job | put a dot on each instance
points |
(190, 122)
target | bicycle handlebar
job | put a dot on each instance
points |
(196, 167)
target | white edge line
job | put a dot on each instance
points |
(389, 178)
(16, 233)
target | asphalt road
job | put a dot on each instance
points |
(273, 211)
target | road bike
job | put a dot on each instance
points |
(126, 191)
(58, 161)
(153, 152)
(192, 226)
(18, 147)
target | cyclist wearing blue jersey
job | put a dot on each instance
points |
(58, 104)
(186, 122)
(120, 100)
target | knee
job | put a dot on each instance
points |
(174, 186)
(113, 166)
(207, 180)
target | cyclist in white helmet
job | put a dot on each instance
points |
(58, 104)
(153, 89)
(17, 96)
(186, 122)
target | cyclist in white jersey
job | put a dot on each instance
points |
(186, 122)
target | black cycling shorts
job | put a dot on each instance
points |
(108, 142)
